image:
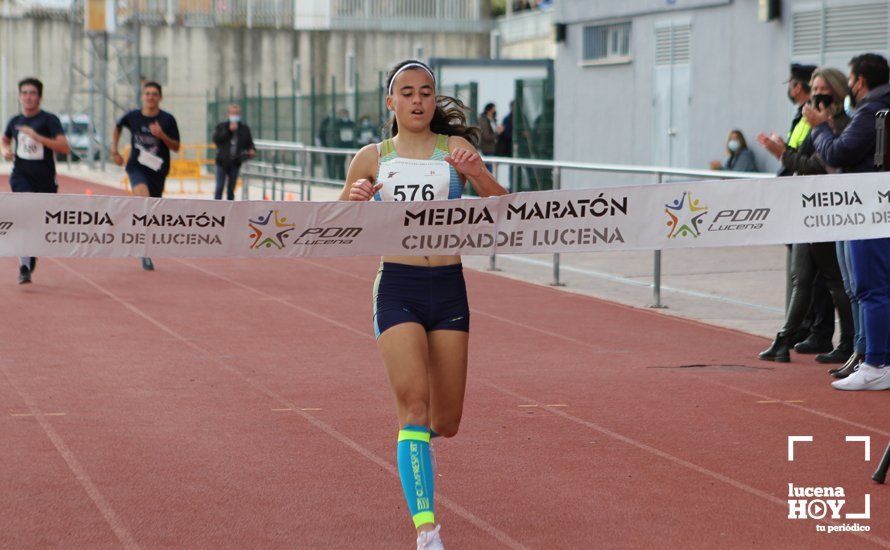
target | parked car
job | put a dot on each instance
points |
(78, 133)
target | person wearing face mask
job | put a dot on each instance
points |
(816, 330)
(234, 145)
(829, 88)
(798, 94)
(738, 157)
(865, 264)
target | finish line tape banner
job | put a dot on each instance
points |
(675, 215)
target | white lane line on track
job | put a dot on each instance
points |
(669, 457)
(695, 377)
(469, 516)
(630, 441)
(80, 474)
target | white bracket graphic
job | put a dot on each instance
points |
(867, 513)
(865, 439)
(792, 439)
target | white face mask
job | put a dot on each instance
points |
(234, 118)
(734, 145)
(848, 106)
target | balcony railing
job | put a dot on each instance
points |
(210, 13)
(394, 15)
(525, 25)
(350, 15)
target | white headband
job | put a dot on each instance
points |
(410, 66)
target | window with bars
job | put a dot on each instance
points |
(607, 43)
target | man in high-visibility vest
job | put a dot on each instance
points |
(816, 330)
(799, 94)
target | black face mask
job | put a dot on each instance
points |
(822, 99)
(791, 97)
(853, 94)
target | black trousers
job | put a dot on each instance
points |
(808, 260)
(226, 179)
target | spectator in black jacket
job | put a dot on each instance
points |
(829, 88)
(868, 261)
(234, 145)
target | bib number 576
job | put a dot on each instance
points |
(402, 192)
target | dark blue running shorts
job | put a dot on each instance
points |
(154, 181)
(434, 297)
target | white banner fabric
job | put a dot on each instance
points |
(675, 215)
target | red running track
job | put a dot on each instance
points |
(242, 404)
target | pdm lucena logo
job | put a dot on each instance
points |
(685, 216)
(269, 230)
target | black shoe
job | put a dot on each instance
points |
(799, 336)
(779, 351)
(849, 367)
(838, 355)
(147, 265)
(32, 264)
(24, 275)
(813, 344)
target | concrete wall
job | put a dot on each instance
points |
(200, 60)
(737, 71)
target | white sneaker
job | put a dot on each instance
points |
(866, 377)
(430, 540)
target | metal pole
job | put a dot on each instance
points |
(259, 107)
(245, 185)
(103, 131)
(304, 161)
(275, 108)
(557, 184)
(492, 260)
(656, 270)
(311, 173)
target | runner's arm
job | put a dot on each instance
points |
(5, 148)
(469, 165)
(59, 144)
(360, 185)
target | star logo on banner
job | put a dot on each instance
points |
(268, 232)
(685, 216)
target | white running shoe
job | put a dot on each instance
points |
(866, 377)
(430, 540)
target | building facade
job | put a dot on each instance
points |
(662, 82)
(198, 47)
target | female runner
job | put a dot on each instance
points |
(421, 315)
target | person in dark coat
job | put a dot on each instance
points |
(234, 145)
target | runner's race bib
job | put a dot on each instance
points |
(407, 180)
(149, 160)
(27, 148)
(346, 135)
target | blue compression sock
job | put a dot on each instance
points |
(416, 472)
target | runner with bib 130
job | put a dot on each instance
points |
(153, 134)
(421, 315)
(37, 136)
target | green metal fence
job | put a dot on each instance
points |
(533, 132)
(278, 113)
